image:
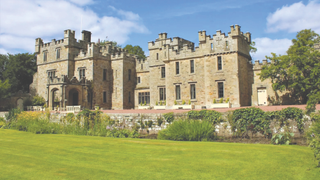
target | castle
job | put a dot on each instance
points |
(71, 72)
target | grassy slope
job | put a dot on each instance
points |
(30, 156)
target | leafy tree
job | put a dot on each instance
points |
(297, 72)
(113, 43)
(252, 48)
(19, 69)
(4, 88)
(136, 50)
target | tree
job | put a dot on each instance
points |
(297, 72)
(113, 43)
(136, 50)
(4, 88)
(19, 69)
(252, 48)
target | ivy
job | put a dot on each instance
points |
(249, 119)
(169, 117)
(208, 115)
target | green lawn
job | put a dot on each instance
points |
(33, 156)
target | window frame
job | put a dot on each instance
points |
(192, 67)
(45, 56)
(144, 97)
(82, 72)
(178, 95)
(58, 53)
(219, 63)
(193, 95)
(105, 75)
(162, 94)
(163, 72)
(177, 68)
(220, 92)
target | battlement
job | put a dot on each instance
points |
(69, 34)
(163, 36)
(258, 65)
(175, 42)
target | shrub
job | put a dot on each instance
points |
(214, 101)
(282, 138)
(2, 122)
(183, 102)
(249, 119)
(12, 114)
(169, 117)
(188, 130)
(38, 101)
(93, 124)
(313, 136)
(159, 121)
(221, 100)
(295, 114)
(208, 115)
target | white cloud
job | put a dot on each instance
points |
(22, 21)
(3, 51)
(82, 2)
(295, 17)
(126, 14)
(266, 46)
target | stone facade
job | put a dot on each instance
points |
(72, 72)
(219, 59)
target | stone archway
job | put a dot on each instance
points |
(55, 99)
(73, 97)
(20, 104)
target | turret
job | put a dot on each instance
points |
(39, 43)
(202, 36)
(162, 36)
(86, 36)
(235, 30)
(248, 35)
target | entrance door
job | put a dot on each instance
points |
(75, 98)
(262, 97)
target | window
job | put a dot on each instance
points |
(82, 73)
(219, 63)
(104, 97)
(192, 66)
(193, 91)
(45, 54)
(138, 80)
(163, 72)
(129, 97)
(177, 68)
(178, 92)
(105, 74)
(220, 89)
(144, 97)
(157, 56)
(211, 46)
(58, 53)
(227, 44)
(141, 66)
(162, 94)
(51, 73)
(129, 74)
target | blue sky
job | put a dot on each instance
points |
(272, 23)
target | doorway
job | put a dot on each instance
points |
(262, 97)
(73, 97)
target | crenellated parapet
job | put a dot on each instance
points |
(258, 65)
(64, 79)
